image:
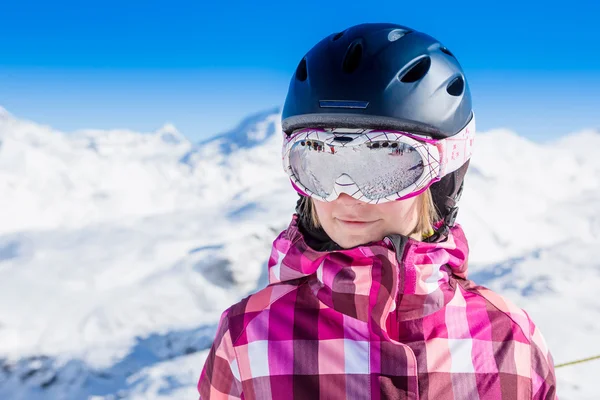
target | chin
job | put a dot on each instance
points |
(348, 243)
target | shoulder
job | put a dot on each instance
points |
(509, 323)
(520, 348)
(237, 317)
(504, 316)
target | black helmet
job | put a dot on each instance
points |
(384, 76)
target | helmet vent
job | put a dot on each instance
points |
(445, 50)
(353, 57)
(397, 34)
(417, 71)
(338, 35)
(301, 73)
(456, 87)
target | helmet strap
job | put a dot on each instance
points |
(446, 194)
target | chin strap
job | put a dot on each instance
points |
(450, 214)
(446, 195)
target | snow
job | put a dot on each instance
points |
(119, 250)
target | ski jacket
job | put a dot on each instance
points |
(394, 319)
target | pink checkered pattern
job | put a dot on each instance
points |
(359, 324)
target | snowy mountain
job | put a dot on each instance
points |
(119, 250)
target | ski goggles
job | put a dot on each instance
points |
(374, 166)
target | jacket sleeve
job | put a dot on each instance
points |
(543, 379)
(220, 376)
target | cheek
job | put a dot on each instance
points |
(404, 210)
(323, 209)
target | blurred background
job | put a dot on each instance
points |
(141, 182)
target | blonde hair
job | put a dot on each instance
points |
(428, 215)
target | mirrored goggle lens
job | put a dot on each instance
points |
(379, 169)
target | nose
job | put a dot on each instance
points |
(347, 200)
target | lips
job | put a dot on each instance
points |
(350, 218)
(354, 222)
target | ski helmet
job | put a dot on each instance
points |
(384, 76)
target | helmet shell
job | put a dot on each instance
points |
(379, 76)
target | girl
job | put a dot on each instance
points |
(368, 295)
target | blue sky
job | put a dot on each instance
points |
(532, 66)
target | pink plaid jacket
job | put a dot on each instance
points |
(358, 324)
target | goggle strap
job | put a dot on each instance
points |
(457, 149)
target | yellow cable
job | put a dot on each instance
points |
(577, 362)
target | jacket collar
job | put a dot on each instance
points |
(370, 281)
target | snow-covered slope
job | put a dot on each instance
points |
(119, 250)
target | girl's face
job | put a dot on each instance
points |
(350, 222)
